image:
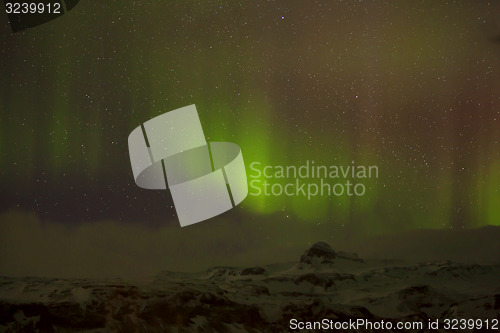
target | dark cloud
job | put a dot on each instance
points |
(31, 247)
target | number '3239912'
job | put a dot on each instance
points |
(32, 8)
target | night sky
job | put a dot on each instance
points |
(410, 86)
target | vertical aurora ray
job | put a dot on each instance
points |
(493, 215)
(63, 133)
(488, 202)
(21, 134)
(258, 144)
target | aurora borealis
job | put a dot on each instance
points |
(412, 87)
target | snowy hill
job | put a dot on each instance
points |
(323, 283)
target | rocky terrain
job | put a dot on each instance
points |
(322, 284)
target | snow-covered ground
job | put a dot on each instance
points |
(322, 284)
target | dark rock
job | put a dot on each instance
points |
(321, 250)
(496, 306)
(418, 290)
(221, 272)
(278, 279)
(253, 271)
(342, 276)
(258, 290)
(349, 256)
(320, 309)
(321, 280)
(63, 315)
